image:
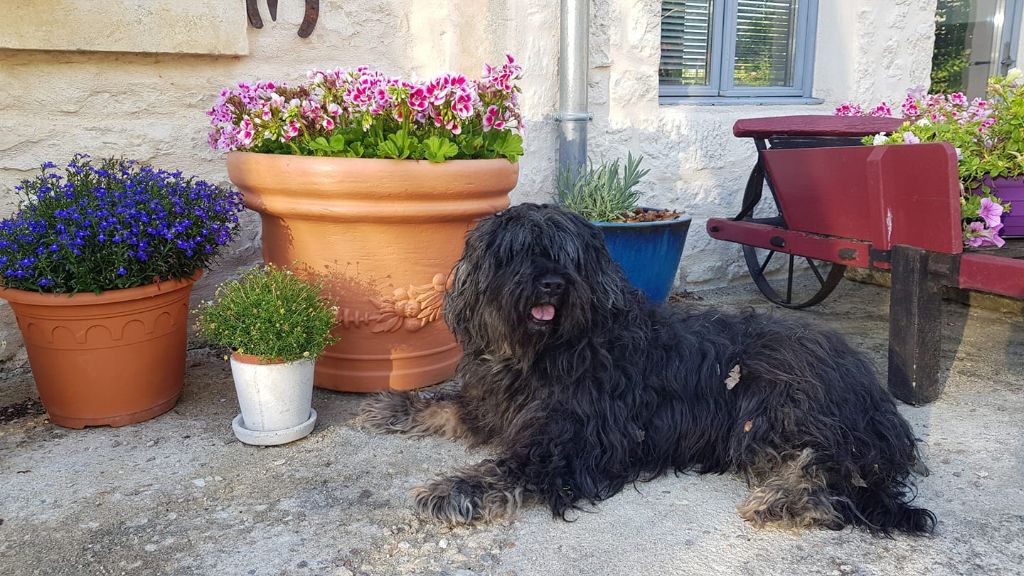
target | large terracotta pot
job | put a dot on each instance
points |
(114, 358)
(383, 235)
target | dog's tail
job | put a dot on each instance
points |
(879, 498)
(887, 509)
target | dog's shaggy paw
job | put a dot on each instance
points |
(387, 413)
(460, 500)
(449, 500)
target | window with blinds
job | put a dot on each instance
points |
(740, 48)
(686, 33)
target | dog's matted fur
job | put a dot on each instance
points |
(581, 387)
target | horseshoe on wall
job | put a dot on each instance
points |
(309, 19)
(253, 13)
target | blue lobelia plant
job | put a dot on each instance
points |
(112, 224)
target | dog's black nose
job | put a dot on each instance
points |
(552, 284)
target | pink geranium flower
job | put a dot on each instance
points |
(260, 116)
(882, 109)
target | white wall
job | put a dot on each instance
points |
(152, 107)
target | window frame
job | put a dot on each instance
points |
(1009, 43)
(723, 59)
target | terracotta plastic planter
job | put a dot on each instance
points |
(112, 359)
(384, 234)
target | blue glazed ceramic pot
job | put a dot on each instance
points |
(648, 252)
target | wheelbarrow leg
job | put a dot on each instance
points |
(915, 322)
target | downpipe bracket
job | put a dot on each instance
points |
(573, 117)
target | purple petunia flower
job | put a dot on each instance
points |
(991, 212)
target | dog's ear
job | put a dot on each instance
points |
(466, 285)
(457, 303)
(606, 281)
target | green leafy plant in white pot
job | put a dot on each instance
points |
(646, 242)
(276, 324)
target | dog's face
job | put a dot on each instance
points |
(530, 276)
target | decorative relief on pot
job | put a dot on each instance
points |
(54, 331)
(349, 318)
(409, 308)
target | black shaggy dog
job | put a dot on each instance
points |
(582, 388)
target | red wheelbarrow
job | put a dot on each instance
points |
(838, 203)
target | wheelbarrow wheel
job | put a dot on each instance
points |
(792, 287)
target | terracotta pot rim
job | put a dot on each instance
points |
(334, 159)
(90, 299)
(253, 359)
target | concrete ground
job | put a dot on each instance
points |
(179, 495)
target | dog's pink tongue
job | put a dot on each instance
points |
(545, 312)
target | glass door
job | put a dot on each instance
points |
(974, 40)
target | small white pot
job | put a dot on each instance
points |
(275, 400)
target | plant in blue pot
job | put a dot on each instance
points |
(646, 242)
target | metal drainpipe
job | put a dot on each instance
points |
(573, 64)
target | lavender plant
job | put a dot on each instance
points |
(364, 113)
(603, 193)
(111, 224)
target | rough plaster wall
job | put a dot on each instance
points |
(141, 26)
(887, 50)
(151, 107)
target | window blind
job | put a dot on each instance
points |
(765, 35)
(686, 41)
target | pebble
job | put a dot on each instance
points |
(442, 543)
(404, 545)
(149, 547)
(151, 443)
(302, 564)
(982, 474)
(199, 482)
(846, 568)
(343, 572)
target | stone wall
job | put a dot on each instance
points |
(152, 106)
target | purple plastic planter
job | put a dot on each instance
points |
(1012, 191)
